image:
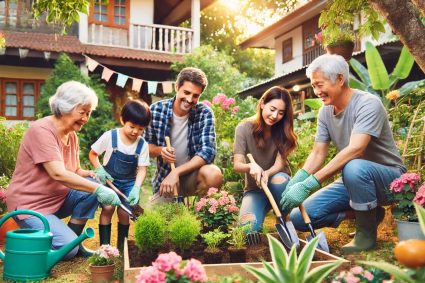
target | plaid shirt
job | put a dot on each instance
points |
(200, 134)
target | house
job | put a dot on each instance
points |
(293, 39)
(129, 42)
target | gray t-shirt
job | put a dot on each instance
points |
(245, 143)
(364, 114)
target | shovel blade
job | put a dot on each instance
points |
(284, 236)
(293, 233)
(322, 243)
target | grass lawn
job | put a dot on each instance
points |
(76, 270)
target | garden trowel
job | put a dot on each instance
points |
(133, 211)
(285, 229)
(322, 243)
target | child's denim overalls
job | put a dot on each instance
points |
(123, 167)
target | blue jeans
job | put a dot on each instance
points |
(78, 205)
(364, 185)
(255, 203)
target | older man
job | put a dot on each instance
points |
(356, 122)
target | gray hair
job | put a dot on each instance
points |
(331, 66)
(70, 95)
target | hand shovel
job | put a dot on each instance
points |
(285, 229)
(133, 211)
(322, 244)
(177, 197)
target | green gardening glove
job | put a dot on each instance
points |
(300, 176)
(133, 197)
(102, 175)
(107, 196)
(298, 193)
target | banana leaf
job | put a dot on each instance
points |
(377, 71)
(404, 64)
(361, 71)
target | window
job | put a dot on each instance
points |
(18, 98)
(287, 50)
(113, 13)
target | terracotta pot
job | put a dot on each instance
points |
(344, 48)
(9, 225)
(102, 274)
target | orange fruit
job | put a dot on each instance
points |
(411, 253)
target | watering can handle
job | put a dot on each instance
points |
(27, 212)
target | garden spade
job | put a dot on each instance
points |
(322, 244)
(133, 211)
(285, 229)
(177, 197)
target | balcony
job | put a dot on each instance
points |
(147, 37)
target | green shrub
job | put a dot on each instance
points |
(238, 236)
(102, 119)
(9, 143)
(170, 210)
(150, 231)
(214, 238)
(183, 230)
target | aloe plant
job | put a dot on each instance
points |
(375, 78)
(289, 268)
(404, 275)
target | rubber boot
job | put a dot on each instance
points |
(365, 238)
(380, 215)
(78, 229)
(122, 234)
(105, 234)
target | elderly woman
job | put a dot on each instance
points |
(48, 177)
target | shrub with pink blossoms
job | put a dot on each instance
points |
(169, 268)
(406, 190)
(359, 275)
(217, 210)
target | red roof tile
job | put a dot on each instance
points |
(71, 44)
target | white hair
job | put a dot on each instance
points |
(70, 95)
(331, 66)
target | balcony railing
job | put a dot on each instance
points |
(312, 53)
(160, 38)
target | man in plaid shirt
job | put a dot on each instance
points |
(190, 126)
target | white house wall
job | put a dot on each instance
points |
(297, 52)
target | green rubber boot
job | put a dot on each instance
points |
(122, 234)
(105, 234)
(365, 238)
(78, 229)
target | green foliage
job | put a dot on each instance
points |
(222, 76)
(289, 268)
(171, 210)
(9, 143)
(183, 230)
(62, 13)
(101, 119)
(238, 236)
(214, 238)
(420, 211)
(150, 231)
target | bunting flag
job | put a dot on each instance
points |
(121, 80)
(167, 86)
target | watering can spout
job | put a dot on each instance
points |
(56, 255)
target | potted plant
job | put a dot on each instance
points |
(213, 239)
(102, 264)
(237, 250)
(407, 189)
(338, 41)
(217, 210)
(169, 268)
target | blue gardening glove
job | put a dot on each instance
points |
(300, 176)
(298, 193)
(102, 175)
(107, 196)
(133, 197)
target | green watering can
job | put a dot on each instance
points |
(28, 255)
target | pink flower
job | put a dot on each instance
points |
(200, 204)
(226, 103)
(420, 195)
(207, 103)
(195, 271)
(235, 109)
(369, 276)
(167, 262)
(356, 270)
(151, 275)
(213, 208)
(219, 98)
(352, 279)
(212, 191)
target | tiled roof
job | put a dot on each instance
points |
(71, 44)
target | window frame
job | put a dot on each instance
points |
(110, 14)
(285, 44)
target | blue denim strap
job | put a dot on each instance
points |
(114, 139)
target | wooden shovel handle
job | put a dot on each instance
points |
(267, 191)
(172, 165)
(304, 214)
(115, 189)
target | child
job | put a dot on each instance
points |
(124, 163)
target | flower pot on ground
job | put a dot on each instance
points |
(10, 224)
(102, 264)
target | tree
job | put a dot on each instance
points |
(404, 17)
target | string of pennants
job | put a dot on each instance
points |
(167, 86)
